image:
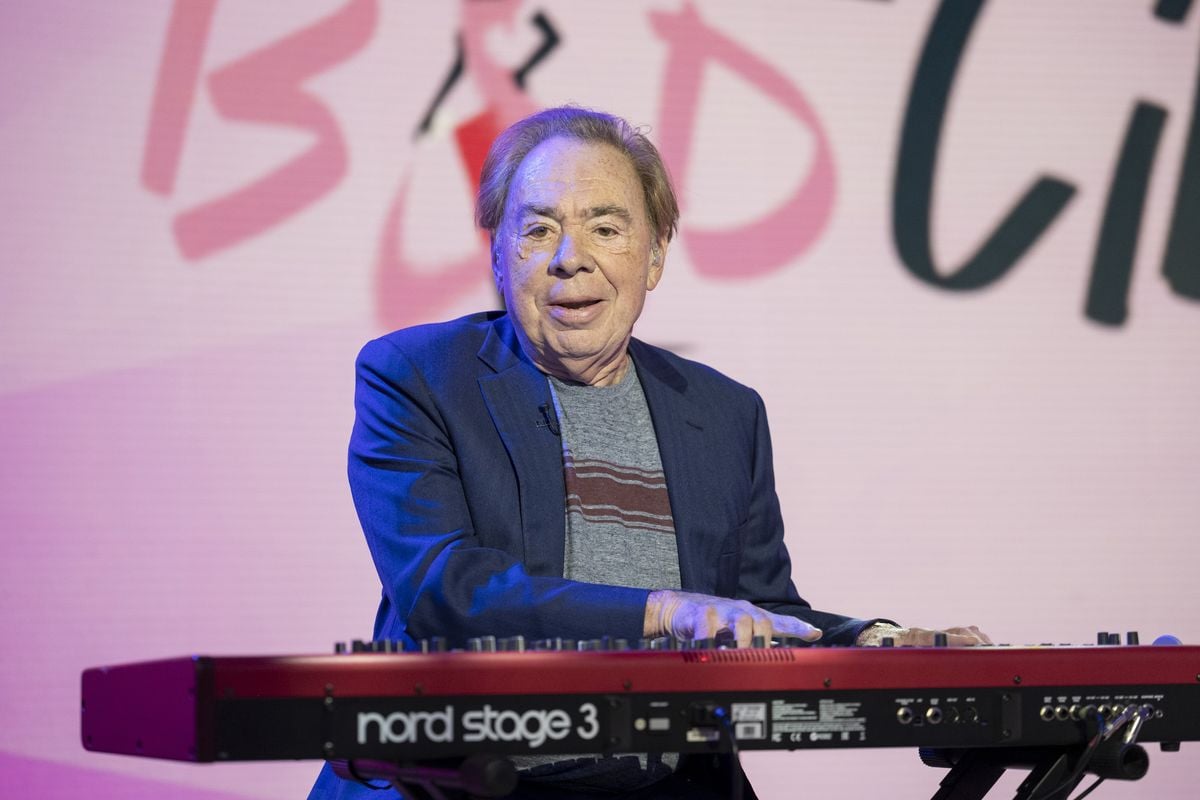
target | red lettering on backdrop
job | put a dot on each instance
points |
(175, 93)
(265, 87)
(792, 227)
(403, 294)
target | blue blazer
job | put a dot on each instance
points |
(457, 477)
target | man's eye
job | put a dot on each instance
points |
(606, 231)
(537, 232)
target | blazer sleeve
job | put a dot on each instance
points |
(438, 579)
(765, 576)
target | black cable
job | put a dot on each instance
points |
(1070, 782)
(735, 762)
(1084, 758)
(1088, 790)
(363, 780)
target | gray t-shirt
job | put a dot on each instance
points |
(619, 531)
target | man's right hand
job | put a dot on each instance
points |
(968, 636)
(687, 616)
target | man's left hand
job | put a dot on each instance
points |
(969, 636)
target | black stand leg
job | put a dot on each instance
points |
(1054, 772)
(971, 777)
(1051, 777)
(973, 772)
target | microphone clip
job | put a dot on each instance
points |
(549, 419)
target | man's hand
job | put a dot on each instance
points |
(921, 637)
(685, 615)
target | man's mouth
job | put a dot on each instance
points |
(575, 303)
(575, 312)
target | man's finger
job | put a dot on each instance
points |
(968, 636)
(743, 629)
(790, 626)
(710, 623)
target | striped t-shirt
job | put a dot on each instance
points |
(619, 529)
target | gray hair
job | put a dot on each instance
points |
(511, 147)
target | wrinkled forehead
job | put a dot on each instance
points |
(573, 176)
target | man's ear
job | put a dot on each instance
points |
(658, 257)
(497, 272)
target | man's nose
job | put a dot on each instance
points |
(571, 257)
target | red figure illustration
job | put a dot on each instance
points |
(404, 294)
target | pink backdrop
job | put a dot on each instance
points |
(208, 207)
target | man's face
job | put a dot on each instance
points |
(575, 256)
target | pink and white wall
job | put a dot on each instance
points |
(209, 206)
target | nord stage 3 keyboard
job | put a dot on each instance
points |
(411, 706)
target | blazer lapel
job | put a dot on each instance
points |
(515, 394)
(679, 427)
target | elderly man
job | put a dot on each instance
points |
(540, 472)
